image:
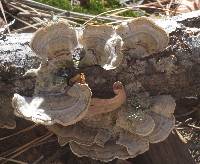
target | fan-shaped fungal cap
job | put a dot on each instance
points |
(144, 126)
(134, 144)
(99, 106)
(64, 108)
(142, 37)
(80, 134)
(127, 146)
(141, 126)
(103, 46)
(77, 133)
(107, 153)
(54, 40)
(102, 137)
(163, 105)
(163, 127)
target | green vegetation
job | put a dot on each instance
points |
(94, 7)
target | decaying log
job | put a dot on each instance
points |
(175, 71)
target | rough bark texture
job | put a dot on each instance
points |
(176, 71)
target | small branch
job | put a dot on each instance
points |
(26, 23)
(13, 160)
(18, 132)
(23, 147)
(27, 146)
(2, 10)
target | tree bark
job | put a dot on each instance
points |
(175, 71)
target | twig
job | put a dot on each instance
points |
(38, 160)
(27, 27)
(139, 6)
(160, 3)
(180, 136)
(155, 3)
(37, 19)
(13, 160)
(170, 4)
(116, 22)
(30, 146)
(76, 19)
(193, 126)
(187, 120)
(42, 15)
(70, 21)
(16, 7)
(26, 23)
(3, 12)
(31, 8)
(19, 132)
(26, 145)
(121, 11)
(151, 7)
(106, 12)
(44, 142)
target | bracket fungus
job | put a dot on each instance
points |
(103, 46)
(110, 135)
(140, 126)
(98, 128)
(142, 37)
(53, 102)
(55, 40)
(161, 111)
(126, 147)
(64, 108)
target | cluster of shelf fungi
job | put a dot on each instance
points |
(102, 129)
(124, 120)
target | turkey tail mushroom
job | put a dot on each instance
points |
(63, 108)
(163, 127)
(162, 110)
(80, 134)
(94, 127)
(134, 144)
(107, 153)
(127, 146)
(143, 126)
(103, 46)
(163, 105)
(142, 37)
(55, 40)
(100, 106)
